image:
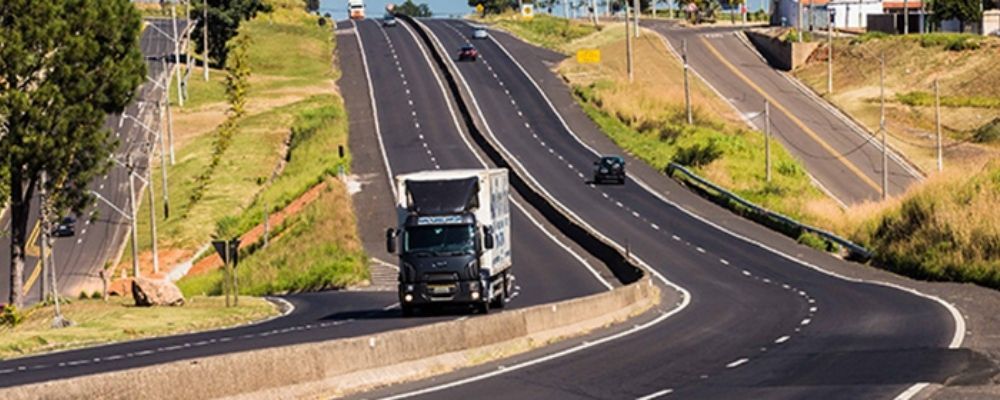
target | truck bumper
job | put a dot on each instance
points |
(426, 293)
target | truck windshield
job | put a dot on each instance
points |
(440, 240)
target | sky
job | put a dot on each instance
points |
(338, 8)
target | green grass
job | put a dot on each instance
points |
(97, 322)
(545, 30)
(926, 99)
(311, 251)
(951, 41)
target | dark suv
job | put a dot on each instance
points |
(609, 169)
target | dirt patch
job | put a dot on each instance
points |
(212, 262)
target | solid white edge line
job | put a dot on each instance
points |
(461, 133)
(654, 395)
(371, 95)
(959, 334)
(685, 295)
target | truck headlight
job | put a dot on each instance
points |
(409, 288)
(475, 295)
(408, 298)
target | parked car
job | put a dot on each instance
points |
(468, 53)
(609, 168)
(479, 33)
(389, 20)
(65, 227)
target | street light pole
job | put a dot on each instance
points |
(767, 138)
(628, 45)
(49, 265)
(937, 122)
(152, 213)
(177, 56)
(132, 211)
(829, 53)
(687, 86)
(637, 10)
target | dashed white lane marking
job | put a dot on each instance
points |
(619, 204)
(812, 309)
(811, 301)
(745, 272)
(654, 226)
(654, 395)
(782, 339)
(767, 280)
(675, 237)
(723, 261)
(634, 214)
(737, 363)
(700, 250)
(806, 321)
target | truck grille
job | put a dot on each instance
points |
(440, 277)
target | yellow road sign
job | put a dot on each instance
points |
(31, 246)
(480, 8)
(588, 56)
(527, 11)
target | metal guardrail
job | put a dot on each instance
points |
(767, 217)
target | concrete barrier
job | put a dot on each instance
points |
(779, 53)
(343, 366)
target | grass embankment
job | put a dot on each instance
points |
(966, 67)
(285, 144)
(647, 119)
(543, 29)
(948, 228)
(97, 322)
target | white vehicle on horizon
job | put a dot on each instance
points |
(356, 9)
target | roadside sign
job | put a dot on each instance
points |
(232, 249)
(480, 9)
(588, 56)
(527, 10)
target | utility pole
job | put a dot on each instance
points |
(637, 10)
(45, 228)
(799, 4)
(937, 122)
(170, 114)
(687, 87)
(204, 46)
(48, 265)
(628, 46)
(829, 54)
(906, 17)
(226, 285)
(767, 138)
(177, 56)
(152, 213)
(163, 170)
(130, 168)
(885, 153)
(566, 8)
(267, 224)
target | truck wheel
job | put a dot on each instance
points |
(484, 307)
(408, 310)
(501, 299)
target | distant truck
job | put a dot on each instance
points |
(356, 9)
(453, 239)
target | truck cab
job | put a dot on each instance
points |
(356, 9)
(452, 239)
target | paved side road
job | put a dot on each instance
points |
(100, 230)
(846, 162)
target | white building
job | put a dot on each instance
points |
(848, 14)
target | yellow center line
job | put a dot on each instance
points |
(35, 273)
(843, 160)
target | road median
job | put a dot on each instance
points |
(343, 366)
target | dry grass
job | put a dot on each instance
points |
(911, 67)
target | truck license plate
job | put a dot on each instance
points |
(440, 289)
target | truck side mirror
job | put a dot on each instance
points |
(488, 237)
(390, 240)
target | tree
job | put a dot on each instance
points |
(495, 6)
(224, 19)
(963, 10)
(64, 66)
(412, 9)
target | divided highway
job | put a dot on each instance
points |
(760, 323)
(545, 270)
(846, 160)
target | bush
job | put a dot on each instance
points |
(951, 41)
(989, 133)
(873, 35)
(812, 240)
(10, 316)
(698, 155)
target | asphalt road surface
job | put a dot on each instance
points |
(100, 230)
(846, 162)
(760, 323)
(545, 271)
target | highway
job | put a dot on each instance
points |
(845, 160)
(545, 270)
(762, 321)
(101, 231)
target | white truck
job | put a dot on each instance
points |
(356, 9)
(453, 239)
